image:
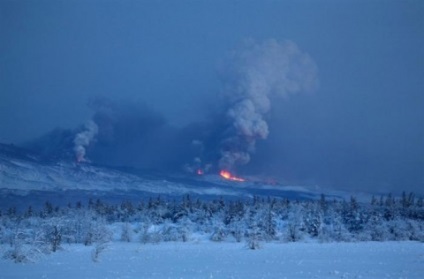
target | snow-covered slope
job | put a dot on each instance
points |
(23, 174)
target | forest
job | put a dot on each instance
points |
(27, 234)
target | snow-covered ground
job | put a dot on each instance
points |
(228, 260)
(32, 182)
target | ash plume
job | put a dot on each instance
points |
(254, 76)
(132, 134)
(83, 139)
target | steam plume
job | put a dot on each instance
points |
(83, 139)
(259, 73)
(132, 134)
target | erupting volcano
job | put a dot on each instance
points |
(227, 175)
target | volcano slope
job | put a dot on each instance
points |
(25, 179)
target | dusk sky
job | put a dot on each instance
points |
(359, 125)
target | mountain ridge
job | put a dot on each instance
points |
(25, 175)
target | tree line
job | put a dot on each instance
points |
(32, 233)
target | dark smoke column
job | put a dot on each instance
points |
(255, 75)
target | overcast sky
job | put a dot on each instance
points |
(363, 126)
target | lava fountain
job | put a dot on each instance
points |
(227, 175)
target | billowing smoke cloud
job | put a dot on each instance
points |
(133, 135)
(126, 135)
(83, 139)
(254, 76)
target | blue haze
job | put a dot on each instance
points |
(363, 128)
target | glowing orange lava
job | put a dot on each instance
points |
(227, 175)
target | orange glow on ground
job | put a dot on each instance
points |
(227, 175)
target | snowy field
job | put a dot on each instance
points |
(228, 260)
